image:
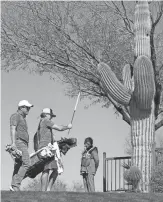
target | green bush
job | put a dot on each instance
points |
(156, 183)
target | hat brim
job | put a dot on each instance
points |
(30, 106)
(53, 115)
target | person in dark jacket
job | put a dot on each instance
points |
(19, 141)
(89, 165)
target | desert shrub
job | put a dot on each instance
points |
(35, 185)
(156, 182)
(77, 186)
(132, 176)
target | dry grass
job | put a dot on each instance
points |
(26, 196)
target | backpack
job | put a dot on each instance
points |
(36, 138)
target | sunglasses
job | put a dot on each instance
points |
(28, 108)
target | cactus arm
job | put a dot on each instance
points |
(124, 111)
(128, 81)
(144, 82)
(113, 86)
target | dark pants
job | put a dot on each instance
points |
(88, 180)
(20, 167)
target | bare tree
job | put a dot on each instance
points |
(66, 39)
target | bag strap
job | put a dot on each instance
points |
(52, 140)
(90, 150)
(38, 130)
(36, 138)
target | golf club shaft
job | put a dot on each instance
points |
(74, 110)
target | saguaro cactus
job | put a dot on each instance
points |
(142, 105)
(137, 94)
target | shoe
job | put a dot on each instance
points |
(14, 188)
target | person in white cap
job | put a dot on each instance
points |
(46, 136)
(19, 140)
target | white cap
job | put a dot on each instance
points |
(48, 111)
(24, 103)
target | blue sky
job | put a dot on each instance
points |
(107, 130)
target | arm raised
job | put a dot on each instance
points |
(61, 128)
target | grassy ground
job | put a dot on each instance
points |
(25, 196)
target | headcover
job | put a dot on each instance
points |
(14, 152)
(66, 143)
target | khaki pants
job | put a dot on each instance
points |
(20, 167)
(88, 180)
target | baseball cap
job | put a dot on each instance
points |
(24, 103)
(48, 111)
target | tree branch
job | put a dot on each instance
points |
(124, 16)
(125, 115)
(70, 39)
(159, 124)
(159, 15)
(121, 109)
(160, 111)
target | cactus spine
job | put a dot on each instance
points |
(127, 80)
(140, 97)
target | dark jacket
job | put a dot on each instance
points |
(89, 161)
